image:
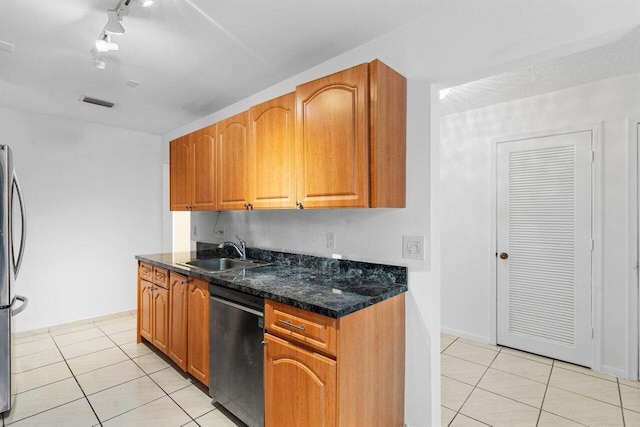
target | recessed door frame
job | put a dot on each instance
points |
(596, 228)
(633, 279)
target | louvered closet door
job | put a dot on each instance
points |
(544, 246)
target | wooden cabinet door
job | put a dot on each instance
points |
(178, 306)
(160, 319)
(332, 140)
(204, 176)
(271, 162)
(145, 314)
(300, 386)
(198, 349)
(180, 171)
(231, 160)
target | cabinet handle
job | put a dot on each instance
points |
(299, 205)
(184, 282)
(293, 325)
(150, 288)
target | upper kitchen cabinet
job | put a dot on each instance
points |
(204, 176)
(180, 166)
(193, 179)
(271, 156)
(350, 139)
(231, 160)
(336, 142)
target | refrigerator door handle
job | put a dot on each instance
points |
(23, 222)
(25, 301)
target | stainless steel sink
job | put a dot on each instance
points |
(222, 264)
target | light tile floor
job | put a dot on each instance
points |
(486, 385)
(94, 374)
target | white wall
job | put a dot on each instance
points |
(466, 194)
(463, 41)
(93, 195)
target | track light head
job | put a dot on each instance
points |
(114, 26)
(105, 45)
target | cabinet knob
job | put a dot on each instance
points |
(504, 255)
(299, 205)
(264, 343)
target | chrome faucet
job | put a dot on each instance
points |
(242, 249)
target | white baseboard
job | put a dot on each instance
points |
(462, 334)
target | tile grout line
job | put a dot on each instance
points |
(77, 382)
(73, 375)
(624, 422)
(148, 375)
(451, 343)
(163, 390)
(65, 403)
(546, 388)
(554, 367)
(129, 357)
(475, 387)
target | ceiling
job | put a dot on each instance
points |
(190, 57)
(614, 59)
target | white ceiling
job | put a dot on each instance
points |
(614, 59)
(191, 57)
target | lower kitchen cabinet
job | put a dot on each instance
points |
(145, 310)
(178, 294)
(176, 320)
(325, 372)
(300, 386)
(198, 330)
(153, 307)
(160, 322)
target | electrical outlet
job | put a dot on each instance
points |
(331, 240)
(413, 247)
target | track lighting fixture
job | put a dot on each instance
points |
(103, 43)
(113, 25)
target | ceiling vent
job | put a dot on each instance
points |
(95, 101)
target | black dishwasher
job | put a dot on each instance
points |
(236, 353)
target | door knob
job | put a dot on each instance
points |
(504, 255)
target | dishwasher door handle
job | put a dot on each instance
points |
(238, 306)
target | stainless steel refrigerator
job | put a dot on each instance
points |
(12, 239)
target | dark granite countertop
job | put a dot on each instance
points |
(332, 287)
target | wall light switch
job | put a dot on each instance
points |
(413, 247)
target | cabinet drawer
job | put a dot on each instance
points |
(314, 330)
(161, 277)
(146, 271)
